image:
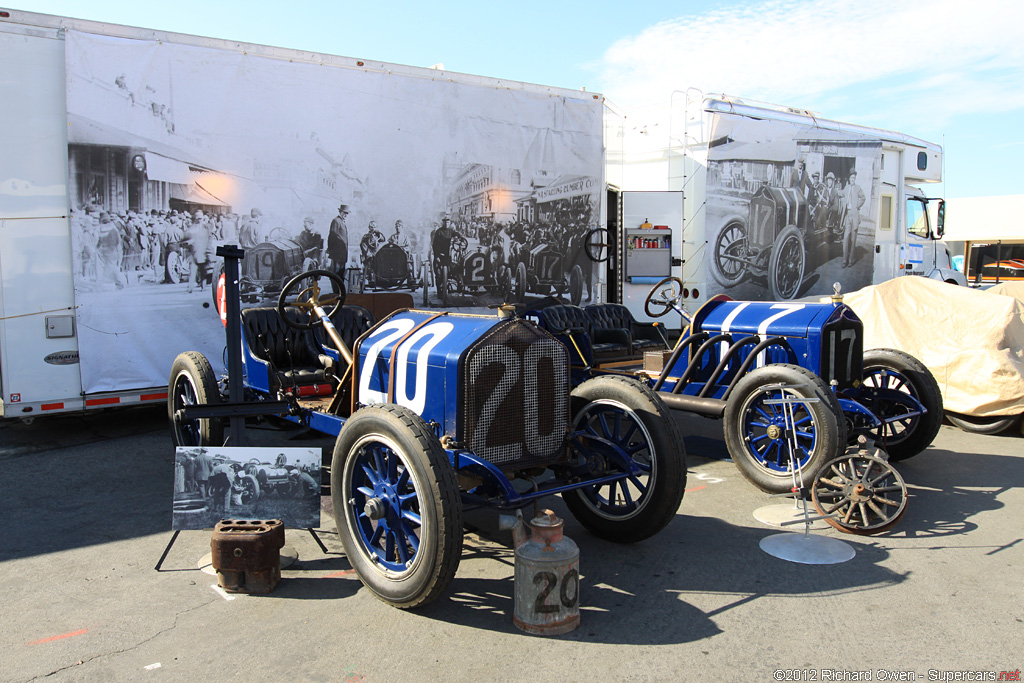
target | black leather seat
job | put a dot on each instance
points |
(604, 344)
(642, 336)
(295, 356)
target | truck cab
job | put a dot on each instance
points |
(908, 240)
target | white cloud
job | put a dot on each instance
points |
(948, 55)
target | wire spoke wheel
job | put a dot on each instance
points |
(861, 494)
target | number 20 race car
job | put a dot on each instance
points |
(436, 413)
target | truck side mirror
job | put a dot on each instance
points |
(940, 220)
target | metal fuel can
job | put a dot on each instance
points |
(547, 579)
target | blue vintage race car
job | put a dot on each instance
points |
(435, 413)
(795, 389)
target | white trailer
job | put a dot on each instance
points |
(762, 202)
(130, 154)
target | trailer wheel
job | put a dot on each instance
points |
(632, 418)
(397, 505)
(888, 375)
(193, 383)
(786, 265)
(761, 438)
(863, 494)
(727, 265)
(576, 285)
(982, 425)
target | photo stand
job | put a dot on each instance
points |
(790, 546)
(232, 317)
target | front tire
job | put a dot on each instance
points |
(576, 285)
(786, 265)
(519, 287)
(757, 431)
(396, 505)
(896, 370)
(631, 416)
(727, 269)
(193, 382)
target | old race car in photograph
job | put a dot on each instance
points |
(795, 390)
(435, 413)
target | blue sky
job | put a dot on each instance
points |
(947, 71)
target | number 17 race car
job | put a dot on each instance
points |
(435, 413)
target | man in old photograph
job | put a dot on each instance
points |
(337, 242)
(854, 199)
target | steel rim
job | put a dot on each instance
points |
(615, 422)
(383, 504)
(766, 434)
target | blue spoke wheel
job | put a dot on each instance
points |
(631, 417)
(768, 439)
(888, 375)
(193, 383)
(396, 505)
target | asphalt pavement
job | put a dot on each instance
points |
(85, 513)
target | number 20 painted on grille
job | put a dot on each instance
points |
(513, 369)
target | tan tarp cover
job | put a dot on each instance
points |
(971, 339)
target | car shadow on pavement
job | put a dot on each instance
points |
(645, 593)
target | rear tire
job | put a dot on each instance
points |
(630, 415)
(892, 369)
(193, 382)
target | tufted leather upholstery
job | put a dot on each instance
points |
(602, 345)
(642, 336)
(294, 355)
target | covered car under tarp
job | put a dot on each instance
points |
(972, 340)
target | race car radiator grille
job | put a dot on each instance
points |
(515, 398)
(762, 225)
(842, 351)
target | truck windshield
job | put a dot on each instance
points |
(917, 218)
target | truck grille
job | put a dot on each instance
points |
(515, 398)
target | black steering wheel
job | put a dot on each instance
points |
(664, 297)
(309, 296)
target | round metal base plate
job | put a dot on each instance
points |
(806, 549)
(288, 556)
(777, 513)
